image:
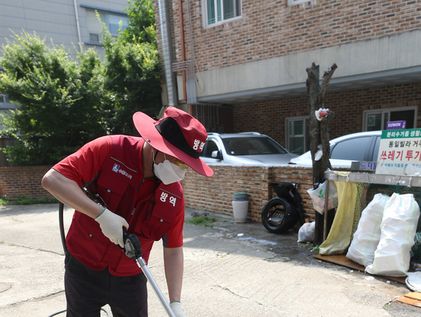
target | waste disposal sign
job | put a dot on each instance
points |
(400, 152)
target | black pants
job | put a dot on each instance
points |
(88, 290)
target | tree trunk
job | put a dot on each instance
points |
(319, 132)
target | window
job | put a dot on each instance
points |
(355, 149)
(94, 38)
(296, 135)
(209, 148)
(377, 119)
(114, 21)
(3, 98)
(222, 10)
(252, 146)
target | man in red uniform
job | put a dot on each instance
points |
(137, 181)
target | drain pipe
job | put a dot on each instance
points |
(79, 37)
(166, 51)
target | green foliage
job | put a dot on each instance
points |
(132, 77)
(202, 220)
(64, 103)
(141, 27)
(132, 67)
(57, 99)
(26, 201)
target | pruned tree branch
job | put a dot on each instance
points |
(325, 82)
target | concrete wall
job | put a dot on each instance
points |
(375, 58)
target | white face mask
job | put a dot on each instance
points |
(168, 172)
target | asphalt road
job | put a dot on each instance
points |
(230, 270)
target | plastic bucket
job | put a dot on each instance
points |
(240, 196)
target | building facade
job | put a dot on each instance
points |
(241, 64)
(71, 23)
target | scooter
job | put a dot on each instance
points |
(283, 212)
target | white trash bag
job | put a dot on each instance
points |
(318, 197)
(367, 236)
(398, 228)
(306, 232)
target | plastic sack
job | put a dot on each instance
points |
(318, 196)
(306, 232)
(367, 236)
(398, 228)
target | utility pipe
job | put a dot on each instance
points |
(166, 51)
(183, 47)
(79, 37)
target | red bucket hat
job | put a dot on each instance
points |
(177, 134)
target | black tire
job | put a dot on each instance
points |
(278, 216)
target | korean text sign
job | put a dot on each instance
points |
(400, 152)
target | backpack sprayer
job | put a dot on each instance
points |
(133, 250)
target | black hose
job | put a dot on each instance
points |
(63, 311)
(61, 224)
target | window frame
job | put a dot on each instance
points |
(222, 21)
(305, 136)
(387, 111)
(104, 14)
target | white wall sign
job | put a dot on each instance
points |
(400, 152)
(295, 2)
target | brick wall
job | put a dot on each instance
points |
(269, 117)
(289, 29)
(215, 193)
(22, 181)
(209, 194)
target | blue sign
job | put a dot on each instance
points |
(398, 124)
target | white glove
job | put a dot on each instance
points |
(177, 309)
(111, 225)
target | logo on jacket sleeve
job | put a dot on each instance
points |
(117, 169)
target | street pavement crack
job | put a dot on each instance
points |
(230, 291)
(34, 299)
(30, 248)
(235, 294)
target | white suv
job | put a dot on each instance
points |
(245, 148)
(361, 147)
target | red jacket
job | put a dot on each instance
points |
(111, 166)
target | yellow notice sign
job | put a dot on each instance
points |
(400, 152)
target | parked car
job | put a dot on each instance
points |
(361, 146)
(245, 148)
